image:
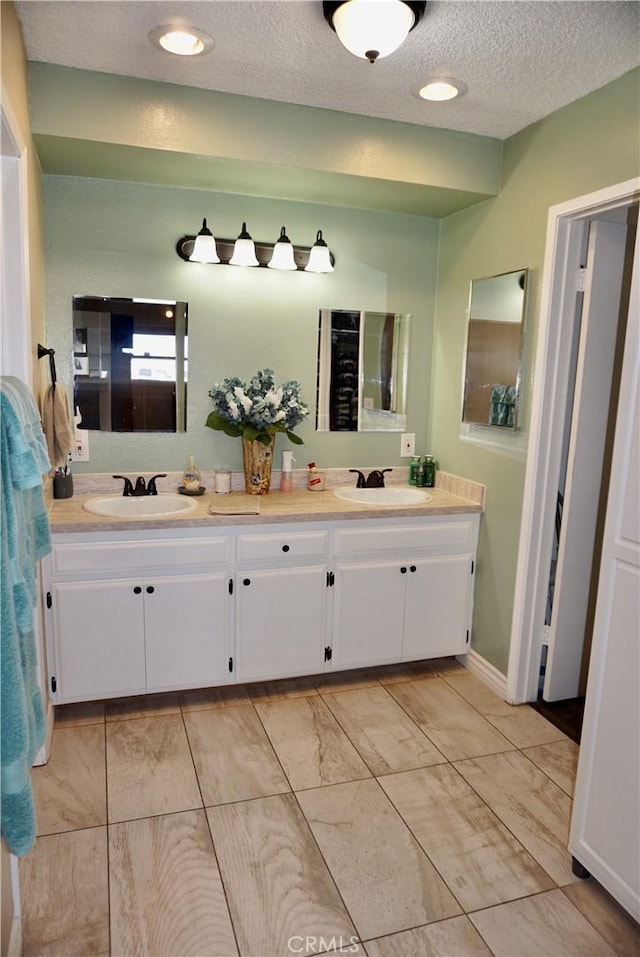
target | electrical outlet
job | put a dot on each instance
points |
(407, 445)
(80, 451)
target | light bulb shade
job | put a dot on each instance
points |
(244, 250)
(282, 257)
(319, 256)
(204, 247)
(372, 29)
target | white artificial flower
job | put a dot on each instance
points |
(274, 398)
(280, 415)
(233, 407)
(243, 399)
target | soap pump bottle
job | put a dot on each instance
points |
(286, 475)
(315, 481)
(191, 476)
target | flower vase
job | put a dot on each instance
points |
(257, 459)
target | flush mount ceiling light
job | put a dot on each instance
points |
(282, 254)
(181, 40)
(372, 29)
(439, 89)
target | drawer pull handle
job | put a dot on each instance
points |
(150, 589)
(403, 570)
(412, 568)
(285, 548)
(137, 590)
(246, 581)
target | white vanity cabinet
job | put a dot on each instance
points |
(141, 613)
(403, 590)
(282, 578)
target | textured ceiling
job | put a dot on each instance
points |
(520, 60)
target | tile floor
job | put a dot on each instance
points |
(397, 811)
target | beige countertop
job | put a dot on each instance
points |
(68, 515)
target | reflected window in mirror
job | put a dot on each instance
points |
(363, 360)
(130, 364)
(494, 350)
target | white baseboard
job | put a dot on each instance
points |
(487, 672)
(42, 756)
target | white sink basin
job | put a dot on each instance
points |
(392, 495)
(139, 506)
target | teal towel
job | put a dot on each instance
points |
(24, 539)
(502, 405)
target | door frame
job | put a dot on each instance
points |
(566, 229)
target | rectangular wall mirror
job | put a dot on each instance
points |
(363, 360)
(494, 350)
(130, 364)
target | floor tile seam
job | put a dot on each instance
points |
(348, 737)
(413, 720)
(193, 762)
(432, 923)
(326, 864)
(106, 784)
(493, 813)
(502, 821)
(586, 916)
(273, 748)
(523, 751)
(222, 882)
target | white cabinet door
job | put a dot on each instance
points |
(186, 627)
(437, 607)
(99, 639)
(280, 622)
(368, 613)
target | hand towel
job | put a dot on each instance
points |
(57, 425)
(24, 538)
(238, 503)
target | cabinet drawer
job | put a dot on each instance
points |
(119, 556)
(448, 534)
(282, 545)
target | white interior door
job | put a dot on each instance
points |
(599, 323)
(604, 825)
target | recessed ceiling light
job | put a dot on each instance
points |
(181, 40)
(442, 88)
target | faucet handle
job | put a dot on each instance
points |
(151, 484)
(361, 482)
(141, 487)
(128, 487)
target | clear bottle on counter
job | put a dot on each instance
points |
(191, 481)
(413, 469)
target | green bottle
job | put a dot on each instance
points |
(413, 470)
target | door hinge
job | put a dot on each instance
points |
(582, 274)
(473, 566)
(230, 664)
(331, 578)
(54, 683)
(328, 653)
(467, 636)
(49, 600)
(231, 586)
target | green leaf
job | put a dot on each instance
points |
(220, 424)
(294, 438)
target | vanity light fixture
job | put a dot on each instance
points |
(319, 257)
(204, 248)
(243, 251)
(440, 89)
(181, 39)
(282, 257)
(372, 29)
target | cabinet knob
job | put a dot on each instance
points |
(403, 570)
(412, 568)
(137, 590)
(150, 589)
(285, 548)
(246, 581)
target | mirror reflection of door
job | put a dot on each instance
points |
(363, 360)
(494, 346)
(130, 364)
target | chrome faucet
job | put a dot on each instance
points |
(141, 487)
(375, 479)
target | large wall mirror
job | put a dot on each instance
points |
(494, 350)
(130, 364)
(363, 360)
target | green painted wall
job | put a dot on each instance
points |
(110, 238)
(588, 145)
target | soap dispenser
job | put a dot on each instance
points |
(191, 477)
(286, 475)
